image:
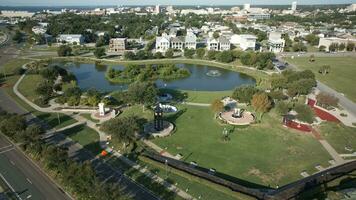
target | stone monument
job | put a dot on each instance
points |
(101, 109)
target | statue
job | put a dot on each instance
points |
(101, 109)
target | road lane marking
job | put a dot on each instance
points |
(28, 180)
(1, 152)
(5, 147)
(11, 188)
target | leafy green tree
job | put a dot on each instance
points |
(333, 47)
(141, 55)
(200, 53)
(18, 36)
(44, 88)
(129, 55)
(350, 46)
(312, 39)
(189, 53)
(244, 93)
(217, 106)
(342, 47)
(212, 54)
(282, 107)
(304, 113)
(99, 52)
(64, 50)
(143, 93)
(299, 47)
(158, 55)
(326, 99)
(225, 56)
(216, 35)
(169, 53)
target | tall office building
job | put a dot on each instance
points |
(247, 6)
(157, 9)
(294, 6)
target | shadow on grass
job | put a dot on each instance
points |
(53, 119)
(321, 191)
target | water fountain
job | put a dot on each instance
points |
(213, 73)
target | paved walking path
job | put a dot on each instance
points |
(103, 142)
(158, 149)
(197, 104)
(332, 152)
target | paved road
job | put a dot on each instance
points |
(24, 176)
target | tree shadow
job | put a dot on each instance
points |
(178, 95)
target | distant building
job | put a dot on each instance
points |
(165, 42)
(71, 38)
(247, 6)
(351, 8)
(190, 41)
(218, 44)
(157, 9)
(244, 41)
(162, 43)
(21, 14)
(330, 40)
(258, 16)
(38, 30)
(117, 45)
(294, 6)
(275, 42)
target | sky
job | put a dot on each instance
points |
(163, 2)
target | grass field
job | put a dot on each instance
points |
(265, 154)
(341, 76)
(206, 96)
(339, 136)
(28, 86)
(85, 136)
(88, 117)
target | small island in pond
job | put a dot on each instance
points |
(133, 73)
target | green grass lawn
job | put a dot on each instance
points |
(206, 96)
(85, 136)
(341, 76)
(28, 86)
(266, 153)
(339, 136)
(137, 110)
(88, 117)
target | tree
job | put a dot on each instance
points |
(326, 99)
(169, 53)
(304, 113)
(122, 129)
(261, 103)
(279, 82)
(312, 39)
(325, 69)
(10, 124)
(200, 52)
(64, 50)
(342, 47)
(322, 48)
(216, 35)
(217, 106)
(158, 55)
(299, 47)
(333, 47)
(189, 53)
(244, 93)
(144, 93)
(44, 89)
(350, 46)
(282, 107)
(99, 52)
(17, 36)
(129, 55)
(225, 56)
(212, 54)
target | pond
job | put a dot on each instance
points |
(93, 76)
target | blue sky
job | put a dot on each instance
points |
(162, 2)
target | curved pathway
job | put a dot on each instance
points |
(103, 143)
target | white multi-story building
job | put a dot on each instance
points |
(294, 6)
(165, 42)
(351, 8)
(244, 41)
(190, 40)
(71, 38)
(162, 43)
(218, 44)
(157, 9)
(247, 6)
(275, 42)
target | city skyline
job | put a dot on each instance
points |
(164, 2)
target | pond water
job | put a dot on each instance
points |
(93, 76)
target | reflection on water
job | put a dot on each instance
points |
(93, 76)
